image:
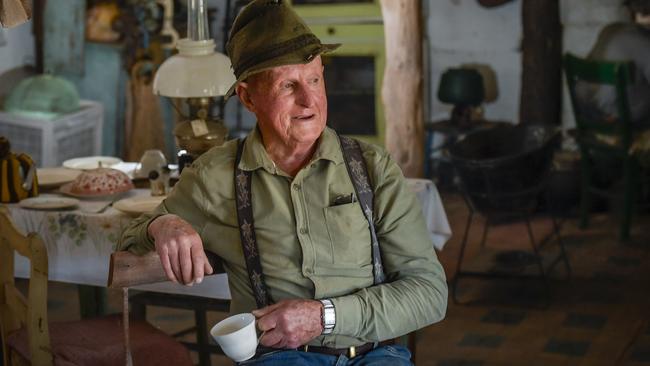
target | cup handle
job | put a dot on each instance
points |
(260, 337)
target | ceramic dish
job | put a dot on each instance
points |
(66, 189)
(92, 162)
(49, 203)
(135, 206)
(54, 177)
(104, 183)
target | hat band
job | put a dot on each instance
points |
(276, 50)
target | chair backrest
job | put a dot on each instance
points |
(127, 269)
(15, 310)
(617, 75)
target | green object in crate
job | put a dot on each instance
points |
(43, 96)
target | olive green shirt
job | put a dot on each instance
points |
(310, 248)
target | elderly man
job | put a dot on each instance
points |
(283, 210)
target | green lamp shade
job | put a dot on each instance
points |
(461, 87)
(42, 96)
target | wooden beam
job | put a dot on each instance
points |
(402, 88)
(541, 78)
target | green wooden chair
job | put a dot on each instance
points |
(601, 137)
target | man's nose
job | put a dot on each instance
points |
(305, 96)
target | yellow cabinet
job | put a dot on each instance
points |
(354, 72)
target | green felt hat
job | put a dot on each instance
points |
(267, 34)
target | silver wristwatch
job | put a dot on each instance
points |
(328, 316)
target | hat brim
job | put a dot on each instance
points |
(303, 56)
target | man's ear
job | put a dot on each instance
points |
(243, 92)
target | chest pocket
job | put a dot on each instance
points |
(349, 234)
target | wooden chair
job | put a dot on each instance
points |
(28, 338)
(128, 270)
(601, 137)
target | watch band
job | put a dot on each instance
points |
(328, 316)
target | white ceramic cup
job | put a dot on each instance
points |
(237, 336)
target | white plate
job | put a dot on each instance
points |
(138, 205)
(48, 203)
(92, 162)
(54, 177)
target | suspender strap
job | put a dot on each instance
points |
(247, 231)
(358, 172)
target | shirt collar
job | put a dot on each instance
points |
(329, 147)
(254, 155)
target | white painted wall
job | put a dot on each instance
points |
(18, 47)
(462, 32)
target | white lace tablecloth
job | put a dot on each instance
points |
(79, 242)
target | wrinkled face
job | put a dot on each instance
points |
(289, 102)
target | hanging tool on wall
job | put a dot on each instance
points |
(170, 35)
(140, 26)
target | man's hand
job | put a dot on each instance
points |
(180, 249)
(290, 323)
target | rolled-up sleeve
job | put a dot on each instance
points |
(415, 292)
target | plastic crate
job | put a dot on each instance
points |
(51, 142)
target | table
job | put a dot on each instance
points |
(79, 242)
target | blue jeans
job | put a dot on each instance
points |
(380, 356)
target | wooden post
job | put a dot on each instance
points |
(402, 89)
(541, 81)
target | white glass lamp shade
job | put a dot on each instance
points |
(196, 71)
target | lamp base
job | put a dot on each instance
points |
(461, 115)
(214, 133)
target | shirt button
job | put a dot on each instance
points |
(303, 230)
(308, 271)
(296, 187)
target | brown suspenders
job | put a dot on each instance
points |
(358, 172)
(243, 200)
